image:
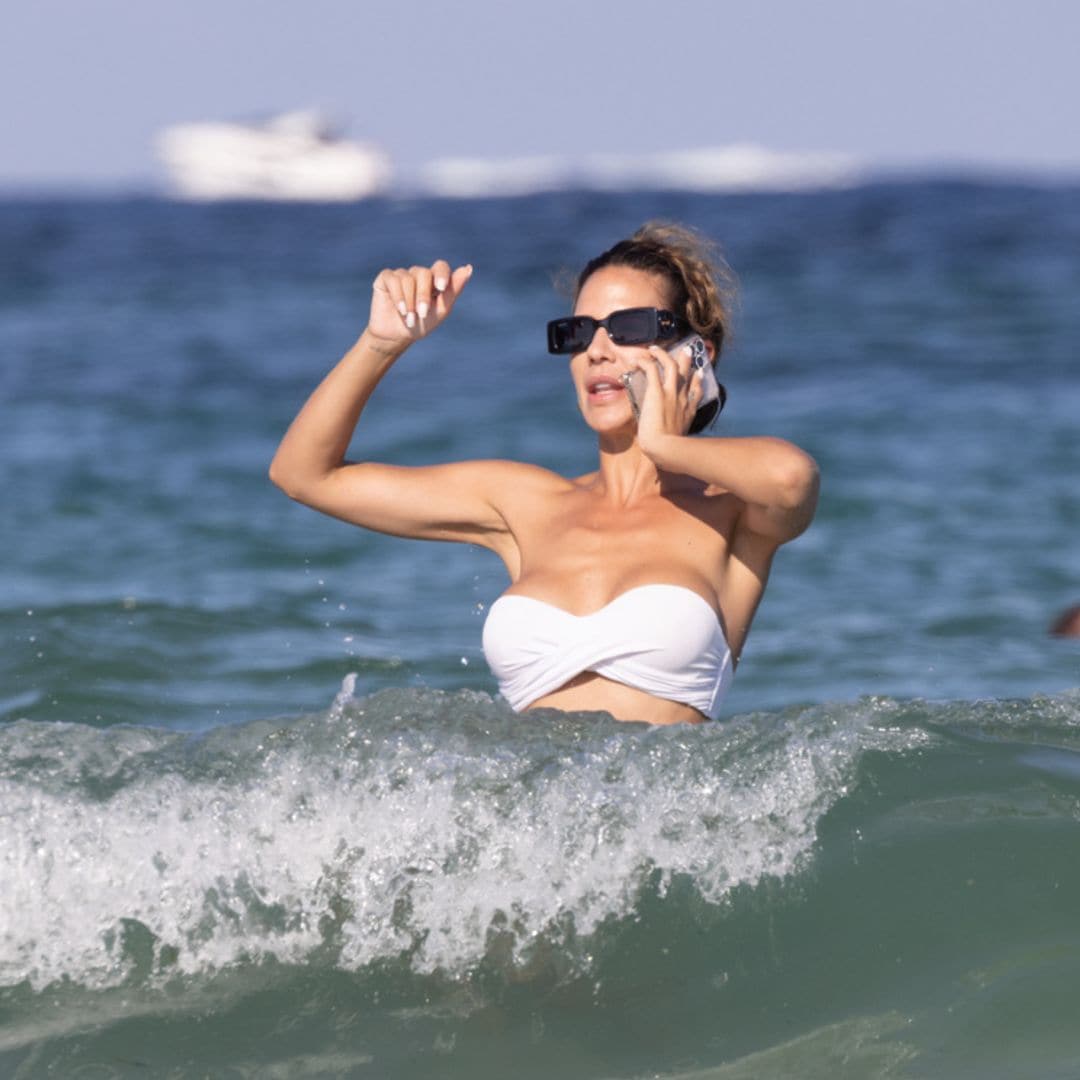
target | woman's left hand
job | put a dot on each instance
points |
(671, 401)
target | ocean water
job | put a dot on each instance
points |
(261, 811)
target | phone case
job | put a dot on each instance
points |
(711, 391)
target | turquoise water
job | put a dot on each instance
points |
(262, 813)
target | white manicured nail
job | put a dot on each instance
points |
(422, 309)
(441, 283)
(410, 320)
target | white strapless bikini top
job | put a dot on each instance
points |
(663, 639)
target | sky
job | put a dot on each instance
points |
(86, 84)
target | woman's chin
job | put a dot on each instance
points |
(608, 423)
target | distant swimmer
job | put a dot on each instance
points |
(633, 586)
(1067, 624)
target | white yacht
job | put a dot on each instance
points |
(294, 156)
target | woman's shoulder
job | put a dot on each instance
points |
(521, 475)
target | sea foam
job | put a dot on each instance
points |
(420, 827)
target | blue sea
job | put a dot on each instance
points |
(262, 812)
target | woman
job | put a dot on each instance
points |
(632, 587)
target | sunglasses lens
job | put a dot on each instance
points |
(635, 326)
(570, 335)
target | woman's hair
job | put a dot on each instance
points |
(703, 287)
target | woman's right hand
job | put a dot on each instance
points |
(406, 305)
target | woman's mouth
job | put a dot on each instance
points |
(604, 389)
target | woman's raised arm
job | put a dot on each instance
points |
(445, 502)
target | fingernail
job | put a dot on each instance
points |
(410, 320)
(469, 269)
(402, 308)
(440, 284)
(422, 309)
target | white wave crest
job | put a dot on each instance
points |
(412, 826)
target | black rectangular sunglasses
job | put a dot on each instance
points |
(631, 326)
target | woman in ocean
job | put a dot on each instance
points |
(632, 588)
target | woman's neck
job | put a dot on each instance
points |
(625, 473)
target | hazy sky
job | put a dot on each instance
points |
(84, 84)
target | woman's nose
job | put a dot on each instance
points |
(601, 347)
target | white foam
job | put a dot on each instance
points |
(391, 837)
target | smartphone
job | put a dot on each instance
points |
(713, 395)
